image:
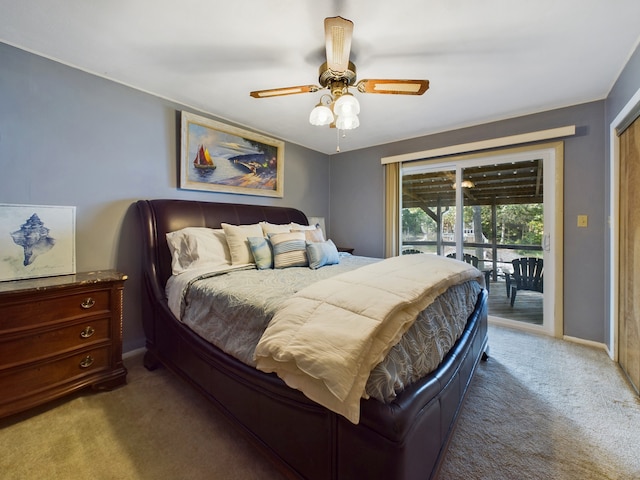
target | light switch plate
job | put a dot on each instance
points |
(583, 220)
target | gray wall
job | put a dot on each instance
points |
(625, 87)
(70, 138)
(358, 220)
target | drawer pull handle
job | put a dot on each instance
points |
(88, 303)
(86, 362)
(87, 332)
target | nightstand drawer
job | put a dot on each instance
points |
(57, 307)
(48, 342)
(21, 382)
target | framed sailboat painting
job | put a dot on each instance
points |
(220, 158)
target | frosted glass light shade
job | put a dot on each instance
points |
(346, 104)
(321, 115)
(347, 122)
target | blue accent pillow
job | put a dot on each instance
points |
(262, 252)
(322, 253)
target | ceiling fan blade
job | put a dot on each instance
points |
(338, 32)
(277, 92)
(398, 87)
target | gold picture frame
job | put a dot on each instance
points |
(220, 158)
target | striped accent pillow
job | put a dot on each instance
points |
(289, 250)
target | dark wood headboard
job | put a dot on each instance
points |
(159, 217)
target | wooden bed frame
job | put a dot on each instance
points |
(403, 440)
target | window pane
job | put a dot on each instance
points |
(428, 212)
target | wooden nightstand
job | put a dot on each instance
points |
(58, 335)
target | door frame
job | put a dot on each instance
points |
(614, 223)
(553, 210)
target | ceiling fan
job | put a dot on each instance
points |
(340, 108)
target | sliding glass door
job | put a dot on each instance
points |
(494, 212)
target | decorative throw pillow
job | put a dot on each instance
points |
(289, 250)
(322, 253)
(270, 228)
(262, 252)
(311, 235)
(238, 244)
(195, 247)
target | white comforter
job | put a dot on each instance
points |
(326, 339)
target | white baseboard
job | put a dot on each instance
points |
(527, 327)
(590, 343)
(538, 329)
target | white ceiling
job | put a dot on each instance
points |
(486, 60)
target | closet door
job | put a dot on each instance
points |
(629, 318)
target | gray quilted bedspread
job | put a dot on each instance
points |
(232, 310)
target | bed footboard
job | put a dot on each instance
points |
(407, 439)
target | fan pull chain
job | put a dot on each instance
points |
(337, 140)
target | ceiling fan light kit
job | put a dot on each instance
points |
(346, 104)
(340, 108)
(321, 113)
(347, 122)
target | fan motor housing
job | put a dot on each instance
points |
(327, 76)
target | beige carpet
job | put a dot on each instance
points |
(543, 408)
(538, 409)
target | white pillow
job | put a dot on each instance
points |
(271, 228)
(299, 226)
(195, 247)
(238, 244)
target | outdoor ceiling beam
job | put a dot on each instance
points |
(421, 204)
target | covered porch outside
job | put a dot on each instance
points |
(527, 308)
(486, 190)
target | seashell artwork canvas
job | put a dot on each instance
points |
(36, 241)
